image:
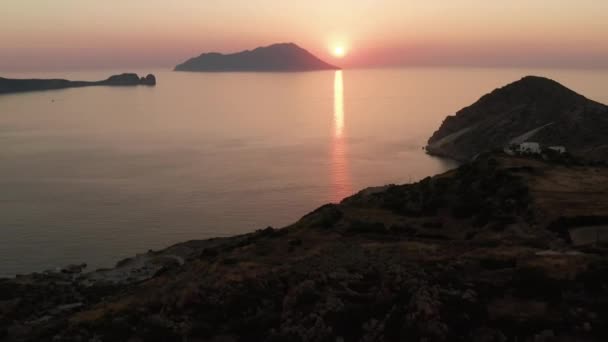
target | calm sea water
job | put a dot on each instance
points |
(98, 174)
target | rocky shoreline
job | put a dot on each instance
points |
(503, 248)
(481, 253)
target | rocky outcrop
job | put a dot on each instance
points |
(149, 80)
(129, 80)
(535, 108)
(24, 85)
(469, 255)
(277, 57)
(122, 80)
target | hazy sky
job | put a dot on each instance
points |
(74, 34)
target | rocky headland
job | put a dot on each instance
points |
(534, 109)
(8, 85)
(277, 57)
(503, 248)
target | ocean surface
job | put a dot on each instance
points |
(99, 174)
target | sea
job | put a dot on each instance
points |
(98, 174)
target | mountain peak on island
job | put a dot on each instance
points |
(532, 109)
(276, 57)
(285, 45)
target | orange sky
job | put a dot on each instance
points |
(75, 34)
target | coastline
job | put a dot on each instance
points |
(417, 249)
(11, 86)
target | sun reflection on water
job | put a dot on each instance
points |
(338, 104)
(341, 181)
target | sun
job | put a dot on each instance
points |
(339, 51)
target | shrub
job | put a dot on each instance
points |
(359, 226)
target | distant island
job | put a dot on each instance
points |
(8, 85)
(533, 114)
(277, 57)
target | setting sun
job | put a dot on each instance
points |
(339, 51)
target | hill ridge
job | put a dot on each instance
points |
(522, 106)
(275, 57)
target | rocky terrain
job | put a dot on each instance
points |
(481, 253)
(533, 109)
(277, 57)
(8, 85)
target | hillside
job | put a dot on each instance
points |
(500, 249)
(533, 109)
(277, 57)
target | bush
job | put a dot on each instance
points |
(358, 226)
(532, 282)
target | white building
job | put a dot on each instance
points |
(560, 149)
(530, 147)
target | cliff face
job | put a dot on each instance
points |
(24, 85)
(534, 109)
(481, 253)
(277, 57)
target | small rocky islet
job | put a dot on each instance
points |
(503, 248)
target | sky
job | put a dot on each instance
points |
(92, 34)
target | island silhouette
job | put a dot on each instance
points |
(276, 57)
(8, 85)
